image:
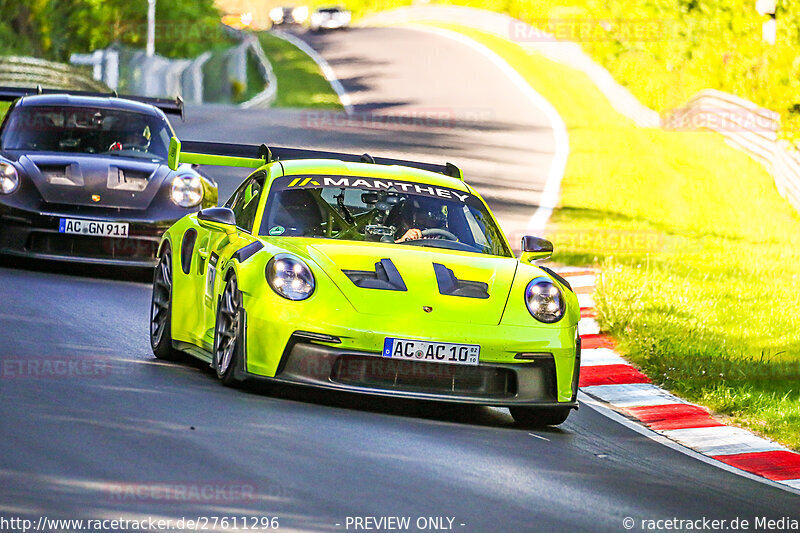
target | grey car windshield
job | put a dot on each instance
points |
(403, 213)
(86, 130)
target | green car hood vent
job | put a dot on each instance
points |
(415, 265)
(384, 277)
(450, 285)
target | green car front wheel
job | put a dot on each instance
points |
(229, 334)
(161, 311)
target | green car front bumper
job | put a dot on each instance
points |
(519, 366)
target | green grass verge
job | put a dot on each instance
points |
(216, 85)
(255, 82)
(300, 82)
(700, 256)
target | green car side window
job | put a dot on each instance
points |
(244, 203)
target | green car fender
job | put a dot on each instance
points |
(271, 319)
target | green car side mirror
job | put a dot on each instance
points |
(535, 248)
(217, 219)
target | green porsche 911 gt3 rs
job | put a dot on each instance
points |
(364, 274)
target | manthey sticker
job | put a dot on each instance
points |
(422, 189)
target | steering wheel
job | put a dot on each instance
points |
(436, 232)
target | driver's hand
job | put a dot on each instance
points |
(411, 235)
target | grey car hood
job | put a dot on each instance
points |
(95, 180)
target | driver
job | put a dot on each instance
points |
(419, 214)
(132, 139)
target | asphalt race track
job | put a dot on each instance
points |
(95, 440)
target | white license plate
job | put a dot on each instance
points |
(431, 352)
(93, 227)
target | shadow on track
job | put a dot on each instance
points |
(445, 412)
(112, 273)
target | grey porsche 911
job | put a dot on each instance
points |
(84, 177)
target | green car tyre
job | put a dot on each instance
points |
(228, 338)
(161, 309)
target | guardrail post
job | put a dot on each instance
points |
(111, 68)
(266, 97)
(237, 63)
(192, 79)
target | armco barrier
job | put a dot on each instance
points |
(747, 127)
(160, 76)
(266, 97)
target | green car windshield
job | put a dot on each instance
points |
(381, 210)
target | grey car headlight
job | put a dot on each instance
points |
(544, 300)
(9, 179)
(290, 277)
(186, 191)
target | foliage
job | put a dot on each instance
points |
(300, 82)
(54, 29)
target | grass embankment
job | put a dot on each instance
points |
(255, 82)
(667, 51)
(218, 87)
(700, 256)
(300, 82)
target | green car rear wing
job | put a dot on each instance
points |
(219, 154)
(254, 156)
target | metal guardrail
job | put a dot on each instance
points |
(208, 77)
(156, 75)
(747, 127)
(29, 71)
(266, 97)
(104, 63)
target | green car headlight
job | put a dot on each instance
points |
(290, 277)
(9, 179)
(544, 300)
